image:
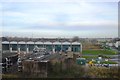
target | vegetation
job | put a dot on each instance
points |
(77, 71)
(106, 62)
(75, 38)
(89, 57)
(95, 56)
(93, 46)
(97, 52)
(60, 71)
(9, 76)
(102, 72)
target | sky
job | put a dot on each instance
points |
(59, 18)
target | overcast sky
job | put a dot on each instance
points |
(59, 18)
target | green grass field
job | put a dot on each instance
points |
(94, 56)
(90, 57)
(106, 62)
(97, 52)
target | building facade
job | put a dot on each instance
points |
(13, 46)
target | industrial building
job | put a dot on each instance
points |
(57, 46)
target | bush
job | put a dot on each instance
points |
(62, 70)
(9, 76)
(102, 72)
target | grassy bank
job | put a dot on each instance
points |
(105, 62)
(97, 52)
(95, 56)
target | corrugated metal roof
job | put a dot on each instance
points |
(47, 42)
(30, 42)
(13, 42)
(21, 42)
(66, 43)
(5, 42)
(39, 42)
(76, 43)
(55, 43)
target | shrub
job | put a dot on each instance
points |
(102, 72)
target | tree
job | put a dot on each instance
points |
(75, 38)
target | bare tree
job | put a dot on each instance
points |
(75, 38)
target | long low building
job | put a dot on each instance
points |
(29, 46)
